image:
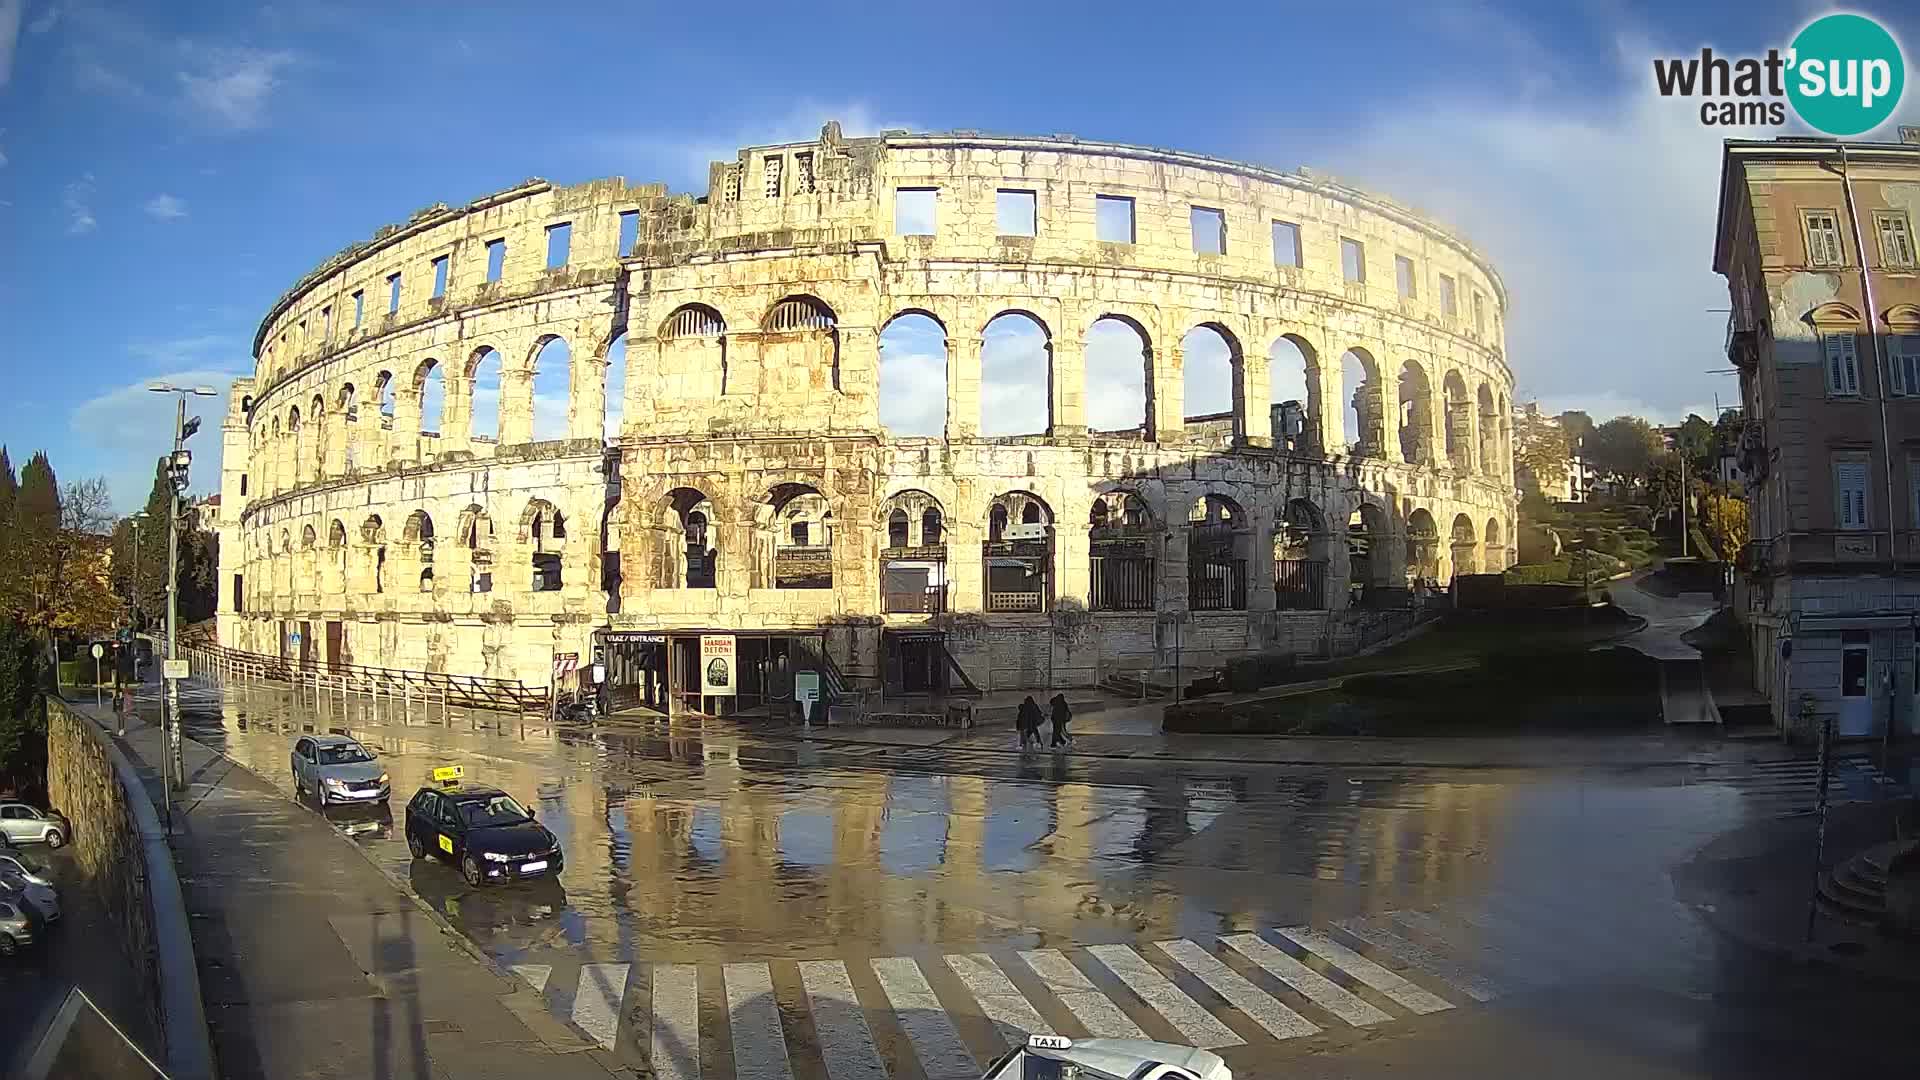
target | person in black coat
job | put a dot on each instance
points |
(1028, 719)
(1061, 714)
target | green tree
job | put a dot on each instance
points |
(23, 711)
(1540, 451)
(1576, 425)
(199, 559)
(1624, 449)
(9, 487)
(1695, 439)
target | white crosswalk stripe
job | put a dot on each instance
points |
(596, 1000)
(999, 998)
(676, 1022)
(1102, 1018)
(1318, 989)
(1366, 971)
(759, 1046)
(1408, 952)
(1195, 1023)
(846, 1043)
(535, 974)
(1283, 1022)
(935, 1042)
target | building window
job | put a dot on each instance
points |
(496, 259)
(1904, 359)
(1896, 240)
(1209, 230)
(1015, 213)
(915, 211)
(1403, 277)
(359, 308)
(1843, 366)
(1353, 260)
(1449, 298)
(803, 173)
(239, 593)
(730, 186)
(440, 277)
(303, 331)
(771, 169)
(1823, 238)
(559, 244)
(243, 484)
(1480, 311)
(1113, 219)
(393, 293)
(1286, 244)
(1850, 494)
(629, 230)
(326, 323)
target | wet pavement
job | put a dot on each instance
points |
(738, 905)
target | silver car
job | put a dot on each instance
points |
(13, 863)
(16, 928)
(336, 769)
(23, 824)
(40, 900)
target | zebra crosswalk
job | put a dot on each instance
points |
(1789, 787)
(945, 1016)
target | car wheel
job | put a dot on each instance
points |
(414, 845)
(470, 868)
(54, 839)
(7, 945)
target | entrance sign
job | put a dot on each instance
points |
(717, 668)
(806, 692)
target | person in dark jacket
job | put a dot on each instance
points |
(1061, 714)
(1028, 719)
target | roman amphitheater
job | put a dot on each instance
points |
(1187, 407)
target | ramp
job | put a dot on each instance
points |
(1684, 695)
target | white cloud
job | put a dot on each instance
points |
(215, 85)
(229, 87)
(129, 427)
(164, 207)
(77, 200)
(10, 11)
(187, 352)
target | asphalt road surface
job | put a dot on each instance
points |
(741, 906)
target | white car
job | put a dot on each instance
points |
(1056, 1057)
(23, 824)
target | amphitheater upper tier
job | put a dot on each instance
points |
(565, 417)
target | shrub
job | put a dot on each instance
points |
(1246, 673)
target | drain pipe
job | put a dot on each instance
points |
(1879, 373)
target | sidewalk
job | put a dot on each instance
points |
(315, 964)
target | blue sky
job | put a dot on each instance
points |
(166, 170)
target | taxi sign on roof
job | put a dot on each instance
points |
(448, 774)
(1049, 1042)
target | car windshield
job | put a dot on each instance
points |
(343, 755)
(498, 810)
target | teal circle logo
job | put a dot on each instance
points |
(1847, 74)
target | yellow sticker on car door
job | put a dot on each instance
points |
(446, 843)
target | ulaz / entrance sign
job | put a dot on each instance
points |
(717, 668)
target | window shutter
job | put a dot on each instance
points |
(1843, 371)
(1850, 494)
(1897, 371)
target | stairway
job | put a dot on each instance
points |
(1856, 890)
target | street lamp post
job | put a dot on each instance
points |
(133, 630)
(177, 465)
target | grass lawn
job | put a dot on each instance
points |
(1465, 637)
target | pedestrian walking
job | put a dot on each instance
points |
(1061, 714)
(1028, 718)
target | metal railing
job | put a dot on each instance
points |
(220, 665)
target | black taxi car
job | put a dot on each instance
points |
(480, 829)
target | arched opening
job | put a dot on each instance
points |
(1367, 558)
(610, 577)
(429, 383)
(385, 392)
(1459, 423)
(1416, 414)
(693, 347)
(335, 581)
(1360, 385)
(913, 565)
(317, 420)
(795, 528)
(1494, 558)
(426, 579)
(483, 395)
(543, 530)
(307, 538)
(373, 533)
(616, 394)
(1503, 445)
(1123, 542)
(1423, 550)
(418, 536)
(1218, 545)
(296, 447)
(1210, 359)
(1018, 553)
(800, 346)
(1293, 372)
(476, 536)
(686, 549)
(1016, 370)
(1300, 557)
(1117, 376)
(349, 404)
(1490, 430)
(913, 376)
(552, 389)
(1465, 546)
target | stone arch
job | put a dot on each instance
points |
(913, 561)
(486, 370)
(1118, 377)
(307, 538)
(1465, 546)
(1219, 548)
(912, 506)
(685, 534)
(384, 393)
(1369, 562)
(1016, 374)
(693, 346)
(1489, 430)
(1124, 544)
(1018, 553)
(418, 529)
(1423, 547)
(550, 395)
(1293, 372)
(793, 538)
(1364, 428)
(614, 385)
(1210, 361)
(543, 533)
(1415, 426)
(914, 354)
(1301, 556)
(473, 532)
(800, 338)
(373, 535)
(1493, 557)
(429, 383)
(1457, 421)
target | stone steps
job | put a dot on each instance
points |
(1856, 890)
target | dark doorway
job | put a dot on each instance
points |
(306, 644)
(336, 645)
(915, 662)
(636, 670)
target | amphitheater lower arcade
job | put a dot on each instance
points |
(603, 415)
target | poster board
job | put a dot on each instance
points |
(719, 673)
(806, 693)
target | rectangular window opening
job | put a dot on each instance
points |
(915, 211)
(803, 174)
(440, 277)
(1896, 240)
(771, 169)
(1843, 364)
(1403, 276)
(1449, 296)
(1209, 231)
(496, 259)
(326, 322)
(1823, 238)
(1850, 494)
(1353, 260)
(559, 244)
(393, 293)
(1286, 244)
(1903, 352)
(629, 231)
(1113, 219)
(1015, 212)
(359, 307)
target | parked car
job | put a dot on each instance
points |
(1055, 1057)
(41, 901)
(16, 928)
(13, 862)
(337, 769)
(24, 824)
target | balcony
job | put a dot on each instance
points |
(1756, 557)
(1743, 346)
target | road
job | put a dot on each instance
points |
(742, 906)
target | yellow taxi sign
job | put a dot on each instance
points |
(448, 774)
